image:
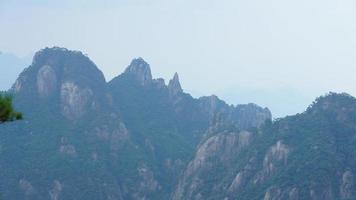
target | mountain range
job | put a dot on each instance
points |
(136, 137)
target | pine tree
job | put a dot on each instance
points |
(7, 113)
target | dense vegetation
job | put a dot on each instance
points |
(135, 137)
(306, 156)
(7, 112)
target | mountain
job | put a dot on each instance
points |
(306, 156)
(136, 137)
(84, 138)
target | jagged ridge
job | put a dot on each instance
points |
(126, 139)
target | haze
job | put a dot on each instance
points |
(274, 53)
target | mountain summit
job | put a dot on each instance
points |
(140, 70)
(305, 156)
(174, 86)
(137, 138)
(64, 77)
(125, 139)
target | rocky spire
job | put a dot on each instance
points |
(140, 70)
(174, 86)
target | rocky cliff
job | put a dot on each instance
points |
(138, 138)
(306, 156)
(84, 138)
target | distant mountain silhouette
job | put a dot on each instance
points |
(136, 137)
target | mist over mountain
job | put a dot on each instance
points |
(258, 51)
(143, 138)
(278, 100)
(11, 66)
(126, 139)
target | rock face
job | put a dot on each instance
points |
(56, 190)
(277, 154)
(137, 138)
(297, 157)
(46, 81)
(130, 138)
(74, 100)
(217, 152)
(26, 187)
(174, 86)
(251, 115)
(347, 185)
(140, 70)
(58, 74)
(65, 99)
(273, 193)
(243, 116)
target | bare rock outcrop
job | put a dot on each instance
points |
(74, 100)
(347, 187)
(273, 193)
(277, 154)
(26, 187)
(46, 81)
(216, 150)
(140, 70)
(174, 87)
(57, 188)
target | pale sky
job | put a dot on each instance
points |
(277, 53)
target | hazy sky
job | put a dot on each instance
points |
(277, 53)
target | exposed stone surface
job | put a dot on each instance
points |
(74, 100)
(244, 138)
(56, 190)
(159, 83)
(321, 193)
(140, 70)
(129, 139)
(250, 115)
(148, 182)
(347, 188)
(243, 116)
(46, 81)
(70, 75)
(212, 105)
(218, 149)
(238, 181)
(17, 85)
(26, 187)
(277, 154)
(174, 86)
(293, 194)
(273, 193)
(118, 137)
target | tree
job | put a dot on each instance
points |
(7, 113)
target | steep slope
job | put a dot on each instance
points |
(243, 116)
(83, 138)
(167, 123)
(306, 156)
(138, 138)
(66, 79)
(69, 137)
(145, 107)
(148, 104)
